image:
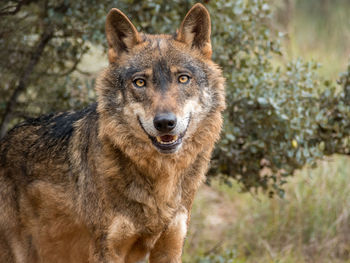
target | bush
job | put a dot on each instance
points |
(278, 118)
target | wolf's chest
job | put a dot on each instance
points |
(139, 240)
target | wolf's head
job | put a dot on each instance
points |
(160, 92)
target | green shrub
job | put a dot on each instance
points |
(278, 118)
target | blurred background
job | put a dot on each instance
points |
(279, 186)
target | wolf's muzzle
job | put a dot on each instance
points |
(165, 122)
(167, 139)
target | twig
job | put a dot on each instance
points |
(17, 8)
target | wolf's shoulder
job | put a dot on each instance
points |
(51, 127)
(59, 124)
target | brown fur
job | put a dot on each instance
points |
(90, 186)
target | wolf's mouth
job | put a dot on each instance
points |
(167, 143)
(167, 139)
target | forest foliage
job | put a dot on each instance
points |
(278, 118)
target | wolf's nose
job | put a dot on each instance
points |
(164, 122)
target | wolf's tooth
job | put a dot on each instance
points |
(159, 140)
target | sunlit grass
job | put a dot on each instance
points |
(312, 223)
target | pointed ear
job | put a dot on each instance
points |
(121, 34)
(195, 29)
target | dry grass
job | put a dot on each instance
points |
(312, 223)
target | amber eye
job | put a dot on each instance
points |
(140, 83)
(184, 79)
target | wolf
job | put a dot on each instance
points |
(115, 182)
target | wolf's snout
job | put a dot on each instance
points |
(165, 122)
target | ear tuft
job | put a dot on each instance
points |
(195, 29)
(121, 34)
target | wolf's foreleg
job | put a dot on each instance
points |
(168, 248)
(114, 245)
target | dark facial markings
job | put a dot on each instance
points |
(129, 72)
(157, 72)
(162, 75)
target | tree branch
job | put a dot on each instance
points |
(17, 8)
(23, 79)
(86, 73)
(69, 71)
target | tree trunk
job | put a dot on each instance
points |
(24, 80)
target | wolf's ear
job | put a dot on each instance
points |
(195, 29)
(121, 34)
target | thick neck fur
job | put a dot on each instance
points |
(155, 193)
(154, 174)
(159, 178)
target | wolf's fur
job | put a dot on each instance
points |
(92, 186)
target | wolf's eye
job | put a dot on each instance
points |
(140, 83)
(184, 79)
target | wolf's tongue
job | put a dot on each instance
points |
(167, 138)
